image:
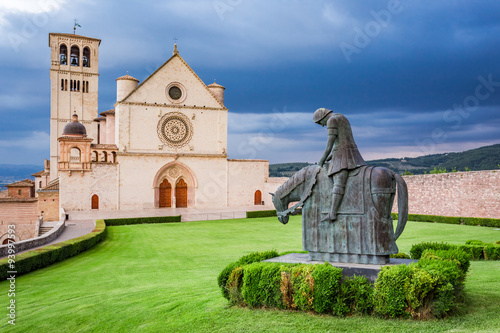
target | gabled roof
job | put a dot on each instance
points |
(40, 173)
(175, 54)
(52, 186)
(22, 183)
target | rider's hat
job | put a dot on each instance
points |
(320, 114)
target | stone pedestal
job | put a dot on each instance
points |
(369, 271)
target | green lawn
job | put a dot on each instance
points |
(162, 278)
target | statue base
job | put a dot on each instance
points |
(370, 271)
(349, 258)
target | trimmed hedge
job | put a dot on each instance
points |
(476, 250)
(142, 220)
(475, 221)
(32, 260)
(261, 213)
(427, 289)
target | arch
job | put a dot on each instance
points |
(173, 171)
(165, 194)
(7, 241)
(181, 193)
(114, 156)
(104, 157)
(95, 201)
(75, 56)
(63, 54)
(258, 198)
(95, 156)
(75, 155)
(86, 57)
(190, 179)
(110, 157)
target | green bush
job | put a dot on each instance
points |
(326, 286)
(429, 288)
(261, 213)
(142, 220)
(417, 249)
(223, 277)
(484, 222)
(389, 297)
(475, 242)
(475, 251)
(251, 289)
(491, 252)
(302, 283)
(476, 221)
(400, 255)
(32, 260)
(355, 296)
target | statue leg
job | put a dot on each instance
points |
(339, 181)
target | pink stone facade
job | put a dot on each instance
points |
(465, 194)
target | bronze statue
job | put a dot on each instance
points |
(346, 205)
(341, 150)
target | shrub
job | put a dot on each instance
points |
(223, 277)
(32, 260)
(389, 297)
(261, 213)
(326, 286)
(474, 242)
(143, 220)
(491, 252)
(355, 296)
(302, 283)
(251, 289)
(400, 255)
(417, 249)
(458, 256)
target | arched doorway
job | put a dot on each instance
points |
(258, 198)
(165, 194)
(7, 241)
(95, 201)
(181, 193)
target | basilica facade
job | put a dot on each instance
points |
(163, 145)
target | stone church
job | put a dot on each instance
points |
(163, 145)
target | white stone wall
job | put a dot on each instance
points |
(76, 189)
(138, 172)
(245, 178)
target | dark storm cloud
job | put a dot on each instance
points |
(405, 72)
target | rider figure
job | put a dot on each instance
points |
(341, 151)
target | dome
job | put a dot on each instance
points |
(74, 128)
(127, 77)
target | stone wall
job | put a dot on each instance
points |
(466, 194)
(18, 210)
(48, 205)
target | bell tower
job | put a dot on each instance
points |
(74, 77)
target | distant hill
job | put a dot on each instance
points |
(10, 173)
(483, 158)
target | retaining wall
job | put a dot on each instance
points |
(465, 194)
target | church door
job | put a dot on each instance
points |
(165, 194)
(181, 193)
(95, 202)
(258, 198)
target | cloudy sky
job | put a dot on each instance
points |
(413, 77)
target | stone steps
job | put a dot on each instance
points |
(43, 230)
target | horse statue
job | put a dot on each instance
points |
(363, 231)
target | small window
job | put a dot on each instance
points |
(86, 57)
(40, 184)
(19, 192)
(62, 84)
(175, 93)
(63, 55)
(75, 56)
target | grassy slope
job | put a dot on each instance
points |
(163, 278)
